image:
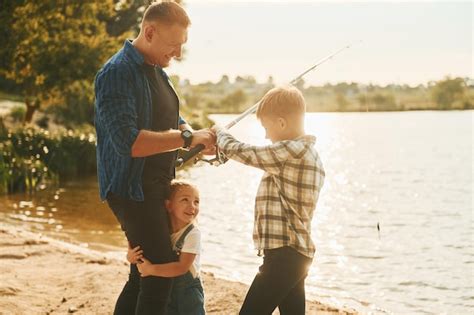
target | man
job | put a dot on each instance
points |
(138, 132)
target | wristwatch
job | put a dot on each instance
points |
(187, 136)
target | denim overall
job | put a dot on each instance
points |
(187, 294)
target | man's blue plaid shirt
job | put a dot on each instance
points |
(122, 108)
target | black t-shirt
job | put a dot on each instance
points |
(159, 168)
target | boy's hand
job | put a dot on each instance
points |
(216, 128)
(144, 267)
(134, 255)
(210, 151)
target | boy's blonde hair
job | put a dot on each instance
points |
(166, 12)
(176, 185)
(285, 102)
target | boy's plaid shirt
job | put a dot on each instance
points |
(288, 191)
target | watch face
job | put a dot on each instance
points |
(187, 133)
(187, 136)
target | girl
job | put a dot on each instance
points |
(187, 295)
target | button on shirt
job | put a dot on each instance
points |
(288, 191)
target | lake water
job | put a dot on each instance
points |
(410, 173)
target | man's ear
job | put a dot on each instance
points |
(149, 32)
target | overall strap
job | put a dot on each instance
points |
(180, 242)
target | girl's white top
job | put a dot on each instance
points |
(191, 245)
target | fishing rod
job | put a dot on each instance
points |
(198, 148)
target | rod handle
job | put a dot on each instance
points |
(189, 155)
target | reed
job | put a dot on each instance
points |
(32, 158)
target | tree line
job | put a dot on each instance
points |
(233, 97)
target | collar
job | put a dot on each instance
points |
(132, 52)
(137, 56)
(310, 139)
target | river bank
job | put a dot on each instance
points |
(40, 275)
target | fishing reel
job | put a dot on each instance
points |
(219, 159)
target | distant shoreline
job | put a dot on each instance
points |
(6, 106)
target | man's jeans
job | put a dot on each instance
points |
(146, 225)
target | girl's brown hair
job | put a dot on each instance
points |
(176, 185)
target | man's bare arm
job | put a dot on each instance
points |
(151, 142)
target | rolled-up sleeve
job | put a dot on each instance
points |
(116, 108)
(181, 121)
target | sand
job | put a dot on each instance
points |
(40, 275)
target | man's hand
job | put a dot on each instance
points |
(206, 137)
(212, 151)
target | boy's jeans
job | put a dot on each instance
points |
(187, 296)
(280, 282)
(145, 224)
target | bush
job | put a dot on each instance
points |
(384, 102)
(448, 91)
(31, 157)
(18, 113)
(74, 105)
(19, 173)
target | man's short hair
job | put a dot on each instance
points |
(166, 12)
(283, 102)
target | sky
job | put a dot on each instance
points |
(404, 42)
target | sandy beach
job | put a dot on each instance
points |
(40, 275)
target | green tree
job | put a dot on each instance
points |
(224, 80)
(53, 44)
(447, 91)
(73, 105)
(6, 35)
(363, 102)
(246, 80)
(300, 85)
(126, 16)
(384, 102)
(342, 102)
(234, 100)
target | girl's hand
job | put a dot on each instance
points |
(144, 267)
(134, 255)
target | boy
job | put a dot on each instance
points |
(284, 204)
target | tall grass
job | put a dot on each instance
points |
(32, 157)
